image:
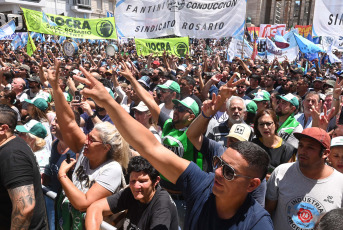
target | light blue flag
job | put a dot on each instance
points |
(47, 20)
(306, 46)
(24, 38)
(43, 38)
(16, 42)
(7, 29)
(61, 39)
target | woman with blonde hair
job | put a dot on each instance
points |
(98, 173)
(33, 134)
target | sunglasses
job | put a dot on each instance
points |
(228, 172)
(268, 124)
(182, 109)
(91, 140)
(240, 86)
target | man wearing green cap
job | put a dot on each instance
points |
(286, 108)
(173, 131)
(169, 90)
(262, 100)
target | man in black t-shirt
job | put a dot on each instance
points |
(148, 205)
(21, 197)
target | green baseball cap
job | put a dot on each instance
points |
(34, 127)
(189, 103)
(251, 106)
(290, 98)
(172, 85)
(262, 96)
(40, 103)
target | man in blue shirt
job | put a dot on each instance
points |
(218, 200)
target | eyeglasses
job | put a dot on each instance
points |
(164, 91)
(91, 140)
(268, 124)
(228, 172)
(240, 86)
(182, 109)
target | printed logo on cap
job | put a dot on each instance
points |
(239, 129)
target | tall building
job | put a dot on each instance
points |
(289, 12)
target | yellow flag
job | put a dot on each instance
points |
(30, 47)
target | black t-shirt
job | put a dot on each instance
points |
(277, 155)
(18, 167)
(159, 213)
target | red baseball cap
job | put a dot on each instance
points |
(156, 63)
(316, 134)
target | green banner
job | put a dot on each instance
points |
(176, 46)
(102, 28)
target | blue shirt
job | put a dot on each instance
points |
(201, 210)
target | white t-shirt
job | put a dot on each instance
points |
(301, 200)
(108, 175)
(169, 112)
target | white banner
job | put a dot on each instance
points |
(267, 30)
(328, 18)
(198, 18)
(291, 52)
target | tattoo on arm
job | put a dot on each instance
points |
(23, 203)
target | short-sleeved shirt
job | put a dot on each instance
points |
(201, 212)
(108, 175)
(18, 167)
(159, 213)
(89, 125)
(301, 200)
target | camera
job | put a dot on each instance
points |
(77, 96)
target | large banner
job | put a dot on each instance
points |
(103, 28)
(267, 30)
(176, 46)
(198, 18)
(328, 18)
(304, 30)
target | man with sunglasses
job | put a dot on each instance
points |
(21, 197)
(217, 200)
(169, 91)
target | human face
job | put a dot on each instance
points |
(241, 89)
(142, 117)
(181, 115)
(261, 105)
(166, 95)
(284, 108)
(17, 85)
(268, 82)
(338, 131)
(236, 112)
(309, 153)
(185, 88)
(2, 98)
(224, 188)
(317, 85)
(336, 158)
(266, 126)
(93, 144)
(142, 188)
(328, 101)
(310, 101)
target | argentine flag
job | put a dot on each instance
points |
(7, 29)
(17, 42)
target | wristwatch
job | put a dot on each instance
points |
(94, 115)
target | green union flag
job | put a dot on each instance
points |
(30, 47)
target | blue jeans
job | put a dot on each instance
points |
(50, 211)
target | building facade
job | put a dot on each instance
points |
(289, 12)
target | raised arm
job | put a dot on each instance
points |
(144, 95)
(72, 134)
(140, 138)
(23, 203)
(96, 213)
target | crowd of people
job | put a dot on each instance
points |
(166, 142)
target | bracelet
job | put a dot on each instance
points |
(202, 113)
(64, 176)
(335, 99)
